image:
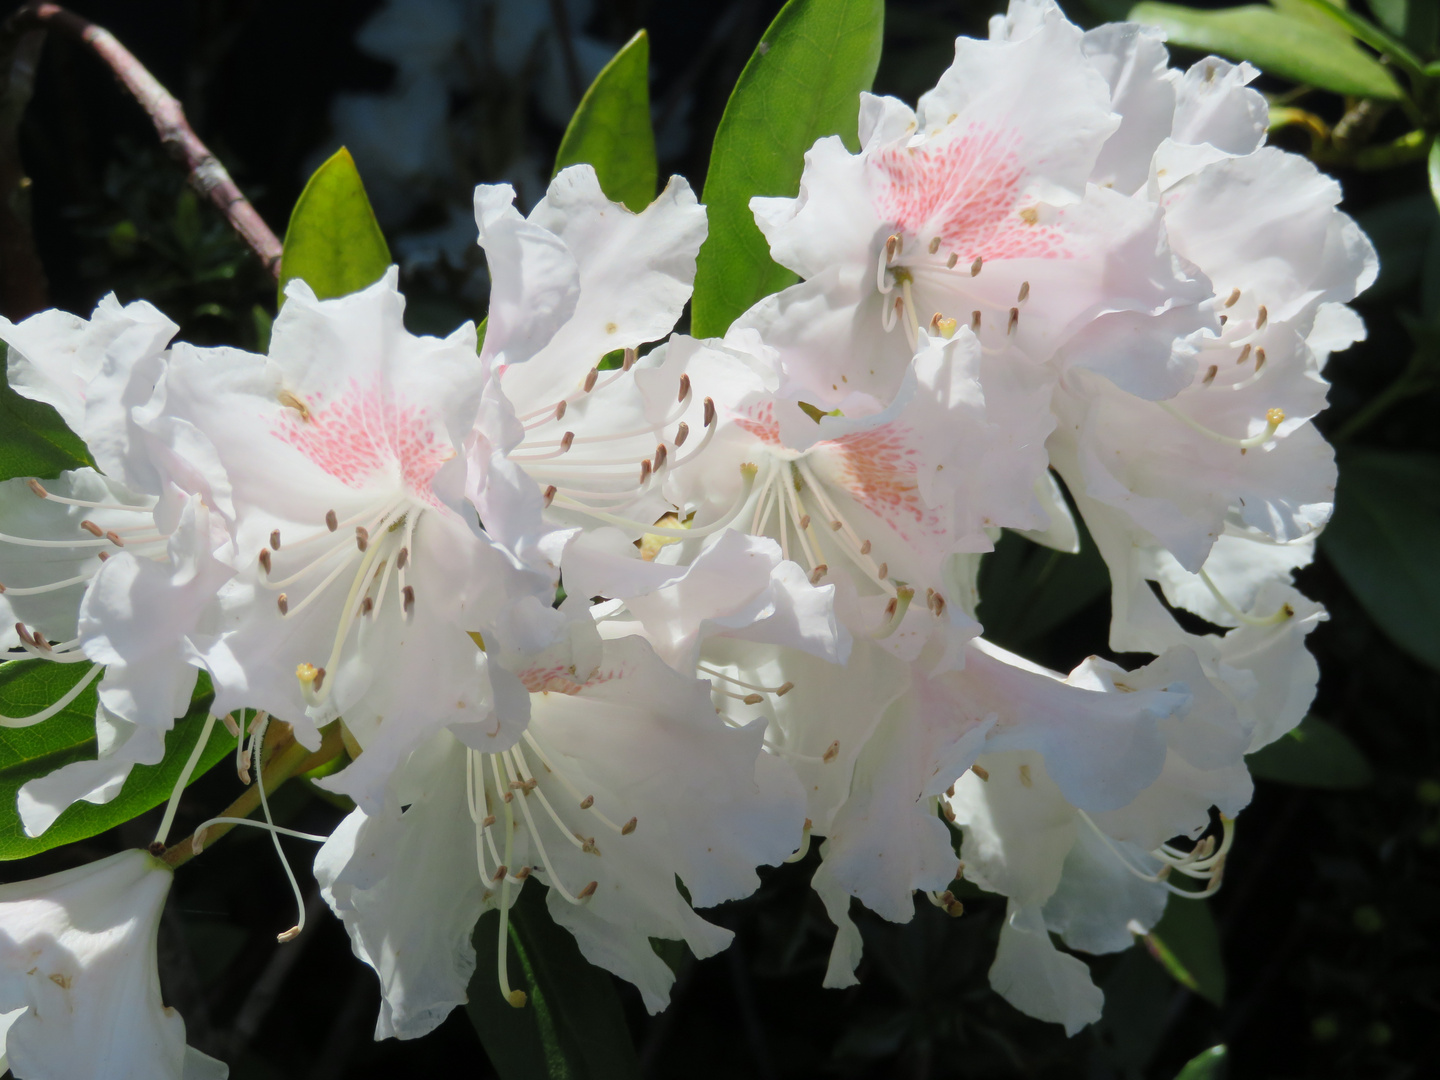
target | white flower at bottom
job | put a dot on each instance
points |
(77, 955)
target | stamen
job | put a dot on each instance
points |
(54, 586)
(90, 527)
(894, 613)
(1024, 292)
(684, 387)
(819, 572)
(1210, 375)
(1262, 316)
(976, 265)
(1285, 611)
(1244, 354)
(804, 848)
(1233, 298)
(362, 537)
(56, 706)
(980, 771)
(550, 494)
(747, 472)
(283, 603)
(934, 245)
(1014, 320)
(681, 434)
(1273, 419)
(975, 321)
(560, 409)
(275, 539)
(591, 378)
(950, 262)
(332, 522)
(184, 778)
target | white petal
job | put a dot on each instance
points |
(1040, 980)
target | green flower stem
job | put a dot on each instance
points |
(1411, 147)
(284, 758)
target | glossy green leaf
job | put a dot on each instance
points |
(572, 1026)
(1383, 542)
(802, 83)
(26, 686)
(34, 441)
(1314, 754)
(611, 129)
(1277, 43)
(334, 243)
(1207, 1065)
(1186, 942)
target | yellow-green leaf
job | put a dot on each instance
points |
(611, 129)
(1186, 942)
(1314, 754)
(1280, 44)
(334, 243)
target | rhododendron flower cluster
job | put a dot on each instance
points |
(617, 610)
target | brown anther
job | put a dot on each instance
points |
(831, 752)
(1224, 319)
(265, 559)
(156, 848)
(197, 841)
(508, 796)
(935, 321)
(522, 873)
(899, 304)
(975, 321)
(550, 494)
(950, 791)
(1262, 316)
(587, 844)
(976, 265)
(367, 605)
(1210, 375)
(1014, 320)
(90, 527)
(629, 826)
(884, 571)
(24, 634)
(865, 547)
(784, 688)
(890, 608)
(934, 245)
(681, 434)
(489, 820)
(283, 603)
(114, 538)
(892, 247)
(409, 594)
(38, 488)
(1259, 359)
(980, 771)
(103, 555)
(938, 605)
(1244, 355)
(500, 872)
(1233, 298)
(954, 908)
(332, 522)
(402, 558)
(948, 812)
(587, 802)
(630, 356)
(804, 522)
(319, 679)
(591, 378)
(565, 441)
(560, 409)
(950, 262)
(753, 699)
(684, 388)
(709, 412)
(588, 891)
(661, 454)
(362, 537)
(233, 728)
(275, 539)
(819, 572)
(645, 470)
(1024, 292)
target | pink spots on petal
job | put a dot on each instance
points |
(968, 189)
(878, 469)
(562, 679)
(759, 420)
(363, 435)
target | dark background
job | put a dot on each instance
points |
(1328, 917)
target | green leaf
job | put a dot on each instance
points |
(1279, 44)
(1314, 754)
(802, 83)
(1383, 541)
(611, 128)
(1207, 1065)
(1186, 942)
(334, 243)
(26, 686)
(571, 1028)
(1027, 590)
(34, 441)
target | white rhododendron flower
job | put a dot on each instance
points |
(579, 280)
(112, 568)
(362, 570)
(77, 958)
(625, 781)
